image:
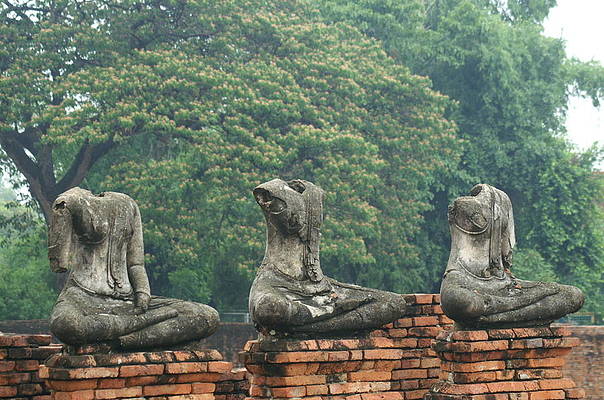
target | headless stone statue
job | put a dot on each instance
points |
(478, 288)
(290, 295)
(106, 299)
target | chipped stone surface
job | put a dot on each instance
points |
(290, 295)
(106, 301)
(478, 288)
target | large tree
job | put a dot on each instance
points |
(51, 131)
(187, 105)
(511, 85)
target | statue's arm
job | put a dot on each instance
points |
(135, 258)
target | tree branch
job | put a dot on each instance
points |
(84, 160)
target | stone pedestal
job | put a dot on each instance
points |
(394, 362)
(20, 360)
(504, 364)
(191, 375)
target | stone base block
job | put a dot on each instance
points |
(504, 364)
(20, 360)
(192, 375)
(394, 362)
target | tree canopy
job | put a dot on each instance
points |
(393, 107)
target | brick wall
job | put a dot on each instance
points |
(20, 360)
(585, 364)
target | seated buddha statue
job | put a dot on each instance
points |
(98, 239)
(478, 288)
(290, 295)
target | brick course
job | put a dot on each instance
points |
(192, 375)
(504, 364)
(394, 362)
(20, 360)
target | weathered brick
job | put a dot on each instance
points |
(72, 385)
(547, 395)
(127, 371)
(126, 392)
(80, 395)
(369, 376)
(469, 335)
(203, 387)
(171, 389)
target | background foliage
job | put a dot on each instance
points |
(393, 107)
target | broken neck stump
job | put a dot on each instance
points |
(394, 362)
(504, 364)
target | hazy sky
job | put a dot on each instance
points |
(579, 23)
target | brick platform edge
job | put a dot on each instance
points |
(504, 364)
(394, 362)
(190, 375)
(20, 360)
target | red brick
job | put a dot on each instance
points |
(532, 332)
(72, 385)
(160, 357)
(200, 377)
(469, 335)
(473, 377)
(404, 322)
(408, 384)
(115, 383)
(425, 321)
(501, 334)
(120, 359)
(397, 332)
(296, 356)
(421, 298)
(560, 331)
(134, 391)
(29, 389)
(141, 370)
(340, 344)
(383, 354)
(451, 388)
(472, 367)
(561, 342)
(547, 395)
(202, 387)
(313, 390)
(415, 394)
(575, 393)
(564, 383)
(302, 380)
(7, 366)
(288, 391)
(142, 380)
(410, 374)
(185, 368)
(410, 363)
(84, 373)
(338, 355)
(81, 395)
(8, 391)
(382, 396)
(14, 378)
(172, 389)
(424, 331)
(380, 386)
(27, 365)
(369, 376)
(498, 387)
(349, 387)
(386, 365)
(430, 362)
